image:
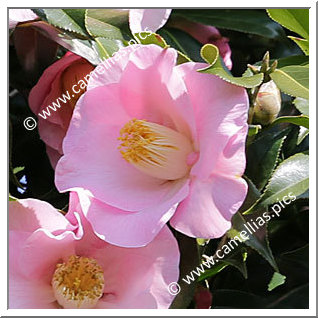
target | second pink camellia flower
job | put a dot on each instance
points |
(58, 262)
(151, 142)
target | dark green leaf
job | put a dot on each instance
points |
(182, 42)
(297, 120)
(262, 154)
(243, 20)
(291, 176)
(257, 239)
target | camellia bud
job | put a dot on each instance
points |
(267, 104)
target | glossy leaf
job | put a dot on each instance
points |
(220, 70)
(243, 20)
(296, 20)
(97, 25)
(292, 80)
(297, 120)
(182, 42)
(257, 239)
(107, 47)
(291, 176)
(262, 154)
(62, 19)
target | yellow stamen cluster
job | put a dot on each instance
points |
(156, 150)
(78, 283)
(142, 142)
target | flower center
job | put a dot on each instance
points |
(155, 149)
(78, 283)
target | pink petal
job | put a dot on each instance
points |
(207, 211)
(28, 215)
(30, 294)
(139, 277)
(43, 87)
(93, 162)
(20, 15)
(110, 70)
(162, 100)
(141, 20)
(221, 119)
(42, 251)
(123, 228)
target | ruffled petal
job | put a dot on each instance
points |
(207, 211)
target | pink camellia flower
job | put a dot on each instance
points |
(152, 142)
(58, 262)
(63, 81)
(147, 19)
(207, 34)
(20, 15)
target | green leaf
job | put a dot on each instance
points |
(302, 105)
(243, 20)
(115, 17)
(277, 280)
(182, 42)
(292, 80)
(78, 15)
(213, 271)
(297, 120)
(210, 53)
(235, 259)
(107, 47)
(97, 25)
(221, 71)
(302, 43)
(262, 154)
(150, 38)
(257, 239)
(62, 19)
(291, 176)
(296, 20)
